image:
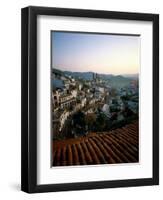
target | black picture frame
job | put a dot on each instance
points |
(29, 99)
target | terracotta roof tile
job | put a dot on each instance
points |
(116, 146)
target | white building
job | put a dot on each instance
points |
(92, 101)
(106, 110)
(59, 119)
(83, 101)
(66, 100)
(63, 118)
(80, 86)
(101, 89)
(74, 93)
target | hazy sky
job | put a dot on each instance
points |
(101, 53)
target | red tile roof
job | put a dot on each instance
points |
(117, 146)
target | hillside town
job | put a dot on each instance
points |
(81, 106)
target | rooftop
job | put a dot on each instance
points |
(117, 146)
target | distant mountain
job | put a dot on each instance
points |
(119, 81)
(87, 75)
(80, 75)
(105, 76)
(59, 73)
(116, 81)
(133, 76)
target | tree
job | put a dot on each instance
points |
(90, 120)
(100, 122)
(125, 97)
(128, 112)
(79, 119)
(113, 92)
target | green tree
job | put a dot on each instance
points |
(79, 119)
(100, 122)
(90, 120)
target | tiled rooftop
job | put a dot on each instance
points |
(117, 146)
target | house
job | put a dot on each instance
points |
(106, 110)
(74, 93)
(83, 101)
(59, 119)
(66, 101)
(133, 106)
(80, 86)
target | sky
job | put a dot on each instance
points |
(100, 53)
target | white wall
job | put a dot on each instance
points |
(10, 80)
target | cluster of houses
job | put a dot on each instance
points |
(70, 95)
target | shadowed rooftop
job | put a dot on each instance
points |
(117, 146)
